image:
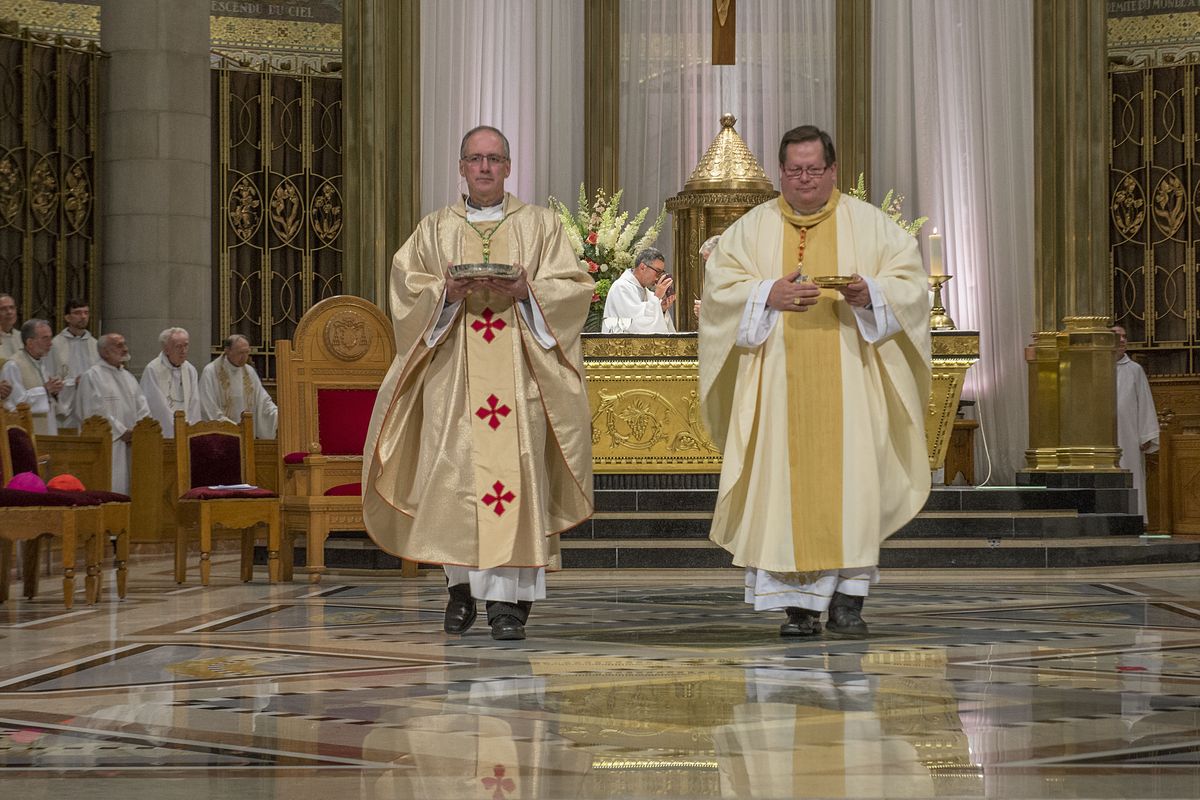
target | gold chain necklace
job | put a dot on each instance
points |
(487, 238)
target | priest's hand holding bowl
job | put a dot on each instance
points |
(856, 293)
(458, 288)
(793, 292)
(517, 288)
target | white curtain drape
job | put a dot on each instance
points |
(952, 130)
(512, 64)
(672, 97)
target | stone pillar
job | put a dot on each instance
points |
(381, 95)
(602, 112)
(1071, 143)
(852, 135)
(156, 159)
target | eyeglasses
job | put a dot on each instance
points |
(475, 159)
(655, 270)
(812, 172)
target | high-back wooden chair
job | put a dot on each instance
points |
(214, 459)
(329, 374)
(27, 516)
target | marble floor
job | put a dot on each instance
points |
(635, 684)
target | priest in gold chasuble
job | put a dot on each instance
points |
(479, 449)
(816, 395)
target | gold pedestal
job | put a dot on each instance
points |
(953, 354)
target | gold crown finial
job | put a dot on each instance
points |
(728, 120)
(728, 163)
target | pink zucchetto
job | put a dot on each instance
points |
(27, 482)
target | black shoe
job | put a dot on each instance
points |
(845, 616)
(801, 622)
(507, 628)
(460, 611)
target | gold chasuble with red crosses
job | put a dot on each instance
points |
(479, 448)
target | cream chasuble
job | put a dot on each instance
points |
(479, 449)
(823, 434)
(28, 377)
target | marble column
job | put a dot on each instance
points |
(381, 93)
(156, 162)
(1072, 281)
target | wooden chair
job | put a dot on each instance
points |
(329, 374)
(29, 516)
(211, 455)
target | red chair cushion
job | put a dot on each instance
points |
(15, 498)
(342, 419)
(204, 493)
(295, 458)
(345, 490)
(24, 456)
(216, 460)
(95, 495)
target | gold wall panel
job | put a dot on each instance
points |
(49, 234)
(278, 202)
(645, 403)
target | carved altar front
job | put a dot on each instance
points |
(644, 394)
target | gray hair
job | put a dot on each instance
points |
(166, 335)
(233, 337)
(709, 243)
(649, 256)
(29, 329)
(462, 146)
(106, 341)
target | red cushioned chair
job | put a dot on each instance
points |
(27, 516)
(329, 373)
(211, 457)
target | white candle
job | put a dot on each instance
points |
(935, 253)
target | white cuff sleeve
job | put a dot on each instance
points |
(536, 322)
(443, 322)
(757, 319)
(876, 322)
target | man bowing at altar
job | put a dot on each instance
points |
(817, 395)
(479, 448)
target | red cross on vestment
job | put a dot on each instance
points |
(498, 497)
(501, 784)
(489, 323)
(493, 411)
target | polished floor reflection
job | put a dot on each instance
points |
(635, 684)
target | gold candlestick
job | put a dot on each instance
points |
(939, 320)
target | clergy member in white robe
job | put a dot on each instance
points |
(1137, 421)
(30, 375)
(640, 300)
(229, 386)
(74, 352)
(108, 390)
(10, 334)
(816, 395)
(170, 383)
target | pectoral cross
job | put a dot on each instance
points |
(723, 29)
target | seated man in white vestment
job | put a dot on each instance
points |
(32, 378)
(479, 450)
(1137, 421)
(108, 390)
(640, 300)
(74, 353)
(816, 395)
(229, 385)
(10, 337)
(170, 382)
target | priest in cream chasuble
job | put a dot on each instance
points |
(817, 396)
(479, 449)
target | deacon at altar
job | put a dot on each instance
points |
(479, 450)
(170, 383)
(817, 396)
(229, 386)
(640, 300)
(74, 352)
(1137, 421)
(108, 390)
(32, 379)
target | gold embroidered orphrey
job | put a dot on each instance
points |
(347, 336)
